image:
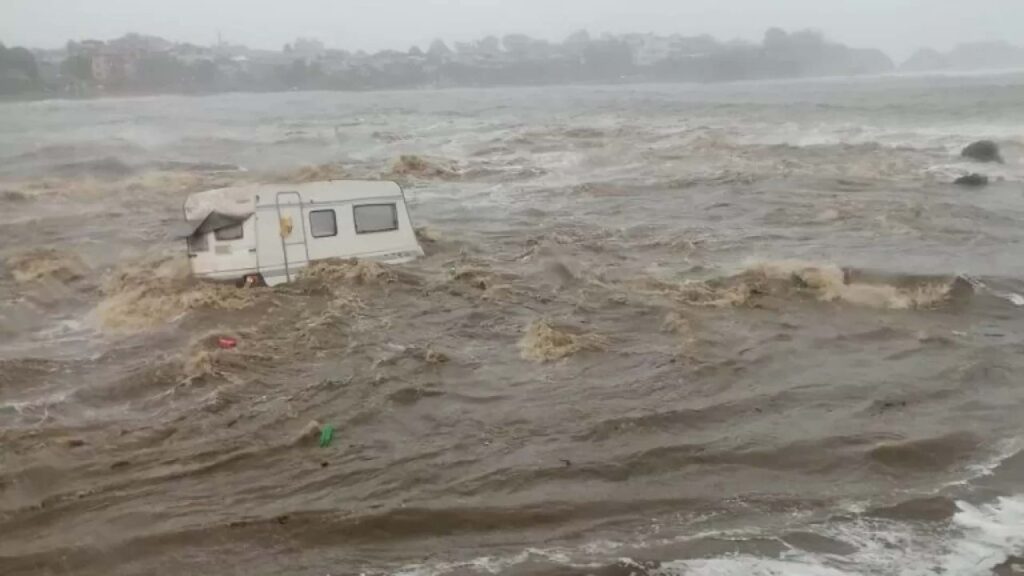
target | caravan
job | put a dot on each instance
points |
(269, 232)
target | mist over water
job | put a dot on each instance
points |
(736, 329)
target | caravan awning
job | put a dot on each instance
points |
(214, 221)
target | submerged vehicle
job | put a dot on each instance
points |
(266, 233)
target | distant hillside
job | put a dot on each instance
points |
(19, 72)
(141, 64)
(966, 57)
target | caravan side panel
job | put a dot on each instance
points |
(375, 228)
(282, 239)
(321, 220)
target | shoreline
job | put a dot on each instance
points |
(46, 96)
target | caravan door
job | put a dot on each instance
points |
(282, 239)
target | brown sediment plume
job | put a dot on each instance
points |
(474, 276)
(483, 282)
(544, 342)
(168, 181)
(420, 167)
(338, 281)
(704, 294)
(710, 294)
(348, 271)
(430, 240)
(323, 329)
(162, 182)
(46, 264)
(142, 295)
(205, 358)
(427, 235)
(434, 357)
(676, 323)
(316, 173)
(13, 196)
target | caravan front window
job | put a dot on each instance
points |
(230, 233)
(323, 223)
(375, 218)
(198, 243)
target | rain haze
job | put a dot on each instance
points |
(511, 287)
(896, 26)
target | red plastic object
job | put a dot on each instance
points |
(226, 343)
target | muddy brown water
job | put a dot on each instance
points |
(747, 329)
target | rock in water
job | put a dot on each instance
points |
(972, 180)
(983, 151)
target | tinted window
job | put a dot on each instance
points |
(198, 243)
(229, 233)
(375, 218)
(323, 223)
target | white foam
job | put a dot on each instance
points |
(750, 566)
(488, 564)
(991, 533)
(1012, 297)
(1004, 450)
(979, 538)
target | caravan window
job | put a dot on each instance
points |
(230, 233)
(198, 243)
(323, 223)
(375, 218)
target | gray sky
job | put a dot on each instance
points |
(897, 26)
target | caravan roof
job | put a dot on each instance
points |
(241, 201)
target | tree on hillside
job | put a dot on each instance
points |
(20, 59)
(578, 38)
(439, 51)
(518, 45)
(490, 45)
(577, 43)
(607, 58)
(775, 40)
(205, 75)
(77, 67)
(19, 72)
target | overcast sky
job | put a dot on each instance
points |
(897, 26)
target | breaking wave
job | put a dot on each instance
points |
(47, 264)
(426, 168)
(977, 540)
(823, 282)
(339, 272)
(544, 342)
(146, 294)
(205, 357)
(315, 173)
(831, 283)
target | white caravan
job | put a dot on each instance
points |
(268, 232)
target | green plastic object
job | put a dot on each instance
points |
(326, 436)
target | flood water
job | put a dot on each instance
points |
(748, 329)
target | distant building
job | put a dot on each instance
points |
(107, 64)
(308, 49)
(109, 67)
(190, 53)
(116, 61)
(648, 49)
